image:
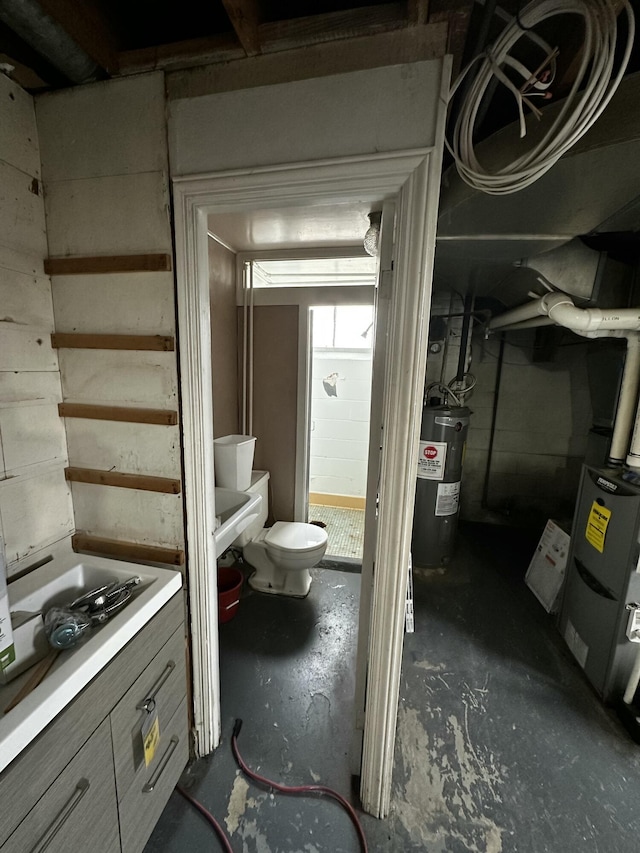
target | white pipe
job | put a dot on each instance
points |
(518, 315)
(250, 359)
(534, 323)
(633, 457)
(594, 323)
(634, 678)
(562, 311)
(627, 402)
(244, 349)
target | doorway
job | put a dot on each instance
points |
(340, 405)
(412, 178)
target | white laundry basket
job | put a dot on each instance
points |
(233, 461)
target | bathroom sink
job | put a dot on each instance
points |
(59, 582)
(234, 511)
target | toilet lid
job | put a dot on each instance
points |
(295, 536)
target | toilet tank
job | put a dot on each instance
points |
(259, 484)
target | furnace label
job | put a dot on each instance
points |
(431, 459)
(597, 524)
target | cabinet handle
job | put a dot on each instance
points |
(149, 702)
(61, 818)
(151, 784)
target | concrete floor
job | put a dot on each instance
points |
(502, 747)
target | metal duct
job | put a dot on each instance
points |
(45, 35)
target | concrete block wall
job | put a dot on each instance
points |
(36, 516)
(340, 425)
(543, 418)
(105, 173)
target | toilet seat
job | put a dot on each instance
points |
(295, 536)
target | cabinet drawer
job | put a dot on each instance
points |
(146, 798)
(160, 688)
(27, 778)
(79, 811)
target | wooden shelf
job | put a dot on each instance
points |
(143, 482)
(164, 417)
(100, 264)
(127, 550)
(157, 343)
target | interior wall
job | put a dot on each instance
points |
(36, 514)
(275, 401)
(105, 173)
(362, 112)
(224, 339)
(542, 422)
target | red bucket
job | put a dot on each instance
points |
(229, 586)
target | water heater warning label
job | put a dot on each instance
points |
(431, 459)
(448, 498)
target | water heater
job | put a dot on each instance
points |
(441, 447)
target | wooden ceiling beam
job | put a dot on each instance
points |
(417, 12)
(244, 17)
(181, 54)
(88, 27)
(333, 26)
(401, 46)
(290, 34)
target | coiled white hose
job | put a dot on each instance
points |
(592, 90)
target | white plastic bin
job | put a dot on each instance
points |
(233, 461)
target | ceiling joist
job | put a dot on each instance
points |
(273, 37)
(244, 17)
(417, 12)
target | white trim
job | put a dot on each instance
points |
(380, 177)
(404, 387)
(301, 493)
(192, 273)
(383, 301)
(360, 294)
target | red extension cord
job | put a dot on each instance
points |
(320, 790)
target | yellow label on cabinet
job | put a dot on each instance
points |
(597, 524)
(151, 737)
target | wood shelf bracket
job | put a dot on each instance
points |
(155, 343)
(104, 264)
(142, 482)
(83, 542)
(164, 417)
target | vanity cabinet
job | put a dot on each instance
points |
(84, 782)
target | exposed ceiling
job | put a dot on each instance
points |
(53, 43)
(59, 43)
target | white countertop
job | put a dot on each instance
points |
(62, 581)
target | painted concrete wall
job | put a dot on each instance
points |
(340, 424)
(36, 516)
(105, 173)
(224, 339)
(543, 417)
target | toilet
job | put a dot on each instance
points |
(283, 554)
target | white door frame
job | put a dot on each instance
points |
(411, 177)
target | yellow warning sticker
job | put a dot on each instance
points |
(151, 737)
(597, 524)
